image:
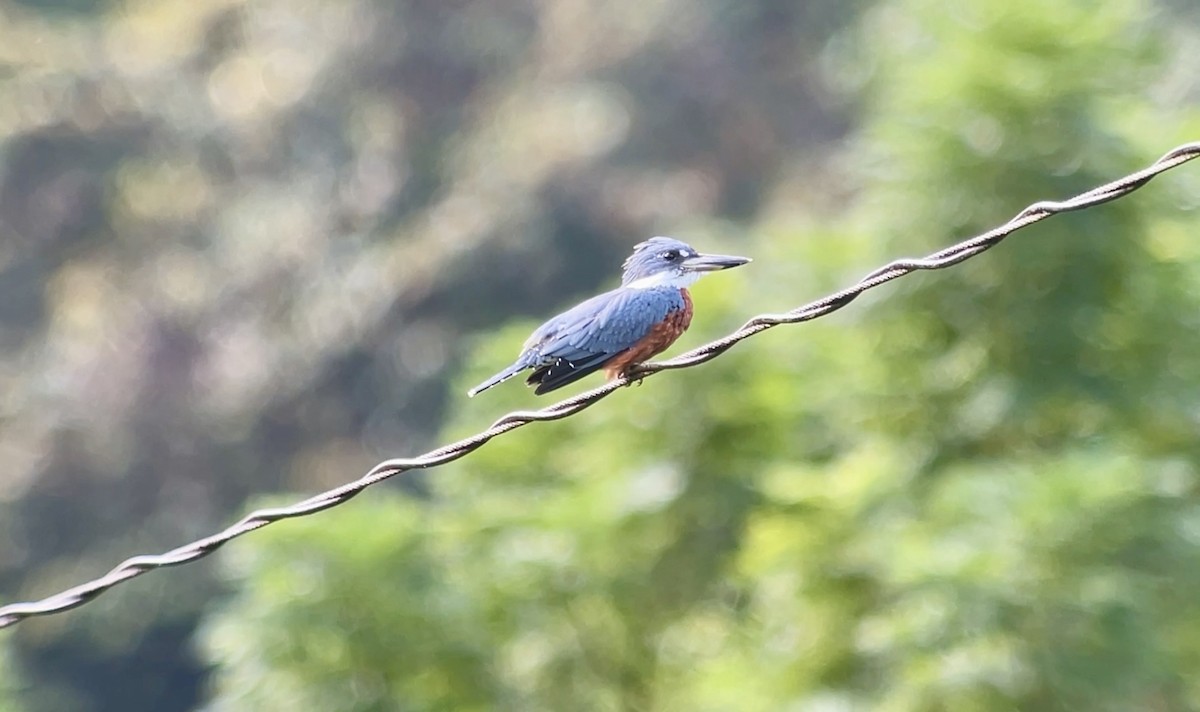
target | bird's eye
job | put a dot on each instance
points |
(670, 255)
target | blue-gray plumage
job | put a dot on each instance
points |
(621, 328)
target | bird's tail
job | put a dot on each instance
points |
(497, 379)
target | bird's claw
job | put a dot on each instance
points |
(635, 376)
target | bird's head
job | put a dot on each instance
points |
(665, 261)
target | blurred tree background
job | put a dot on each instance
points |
(249, 248)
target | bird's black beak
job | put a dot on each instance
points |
(712, 263)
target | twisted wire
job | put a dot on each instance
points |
(131, 568)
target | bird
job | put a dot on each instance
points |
(619, 329)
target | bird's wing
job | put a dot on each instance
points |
(562, 372)
(584, 338)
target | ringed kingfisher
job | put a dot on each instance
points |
(620, 329)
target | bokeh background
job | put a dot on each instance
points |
(248, 248)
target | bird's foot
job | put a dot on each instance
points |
(635, 376)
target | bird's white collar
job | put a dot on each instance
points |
(680, 280)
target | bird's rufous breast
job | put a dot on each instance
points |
(657, 340)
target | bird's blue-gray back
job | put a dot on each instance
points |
(605, 324)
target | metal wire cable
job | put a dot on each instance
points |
(138, 565)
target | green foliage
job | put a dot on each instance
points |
(10, 682)
(351, 617)
(978, 494)
(1077, 331)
